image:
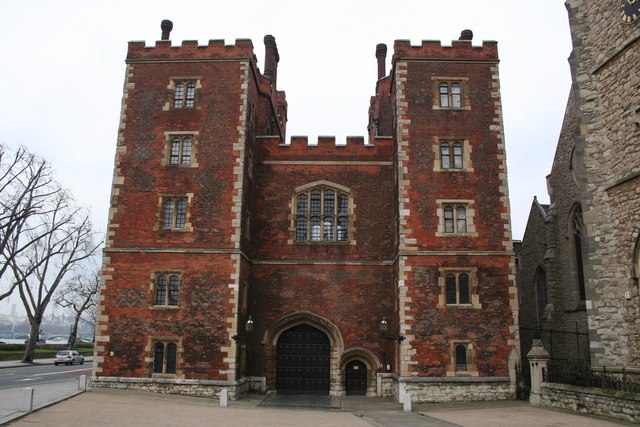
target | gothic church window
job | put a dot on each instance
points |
(164, 357)
(541, 294)
(577, 226)
(321, 215)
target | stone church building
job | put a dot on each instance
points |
(239, 258)
(580, 255)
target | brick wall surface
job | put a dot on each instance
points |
(239, 257)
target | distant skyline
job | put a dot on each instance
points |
(64, 71)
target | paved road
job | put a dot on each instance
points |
(27, 376)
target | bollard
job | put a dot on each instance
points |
(82, 382)
(407, 403)
(26, 405)
(224, 397)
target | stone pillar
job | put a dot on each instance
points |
(538, 358)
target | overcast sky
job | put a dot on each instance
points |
(63, 72)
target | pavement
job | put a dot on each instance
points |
(62, 404)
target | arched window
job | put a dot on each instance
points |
(174, 213)
(178, 100)
(457, 289)
(541, 293)
(191, 95)
(457, 155)
(180, 150)
(450, 95)
(461, 358)
(446, 155)
(636, 262)
(167, 289)
(322, 215)
(577, 226)
(164, 357)
(455, 219)
(184, 95)
(456, 95)
(461, 219)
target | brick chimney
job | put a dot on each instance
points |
(381, 54)
(271, 58)
(166, 27)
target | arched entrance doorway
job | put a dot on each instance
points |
(302, 361)
(355, 378)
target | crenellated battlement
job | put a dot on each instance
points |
(190, 49)
(433, 49)
(325, 148)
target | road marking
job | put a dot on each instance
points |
(28, 379)
(64, 372)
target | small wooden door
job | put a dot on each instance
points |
(356, 378)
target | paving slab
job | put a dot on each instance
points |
(44, 395)
(109, 407)
(105, 407)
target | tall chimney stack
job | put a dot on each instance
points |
(381, 54)
(166, 27)
(271, 58)
(466, 35)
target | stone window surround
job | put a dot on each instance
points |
(464, 88)
(576, 226)
(188, 227)
(166, 151)
(171, 89)
(149, 359)
(293, 213)
(473, 287)
(152, 289)
(472, 370)
(470, 216)
(467, 165)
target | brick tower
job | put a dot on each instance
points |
(237, 259)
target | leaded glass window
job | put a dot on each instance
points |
(322, 215)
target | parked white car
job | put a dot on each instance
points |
(68, 357)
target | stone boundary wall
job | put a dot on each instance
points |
(615, 404)
(445, 389)
(185, 387)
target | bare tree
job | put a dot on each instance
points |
(79, 295)
(26, 183)
(41, 267)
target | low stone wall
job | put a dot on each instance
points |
(445, 389)
(614, 404)
(185, 387)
